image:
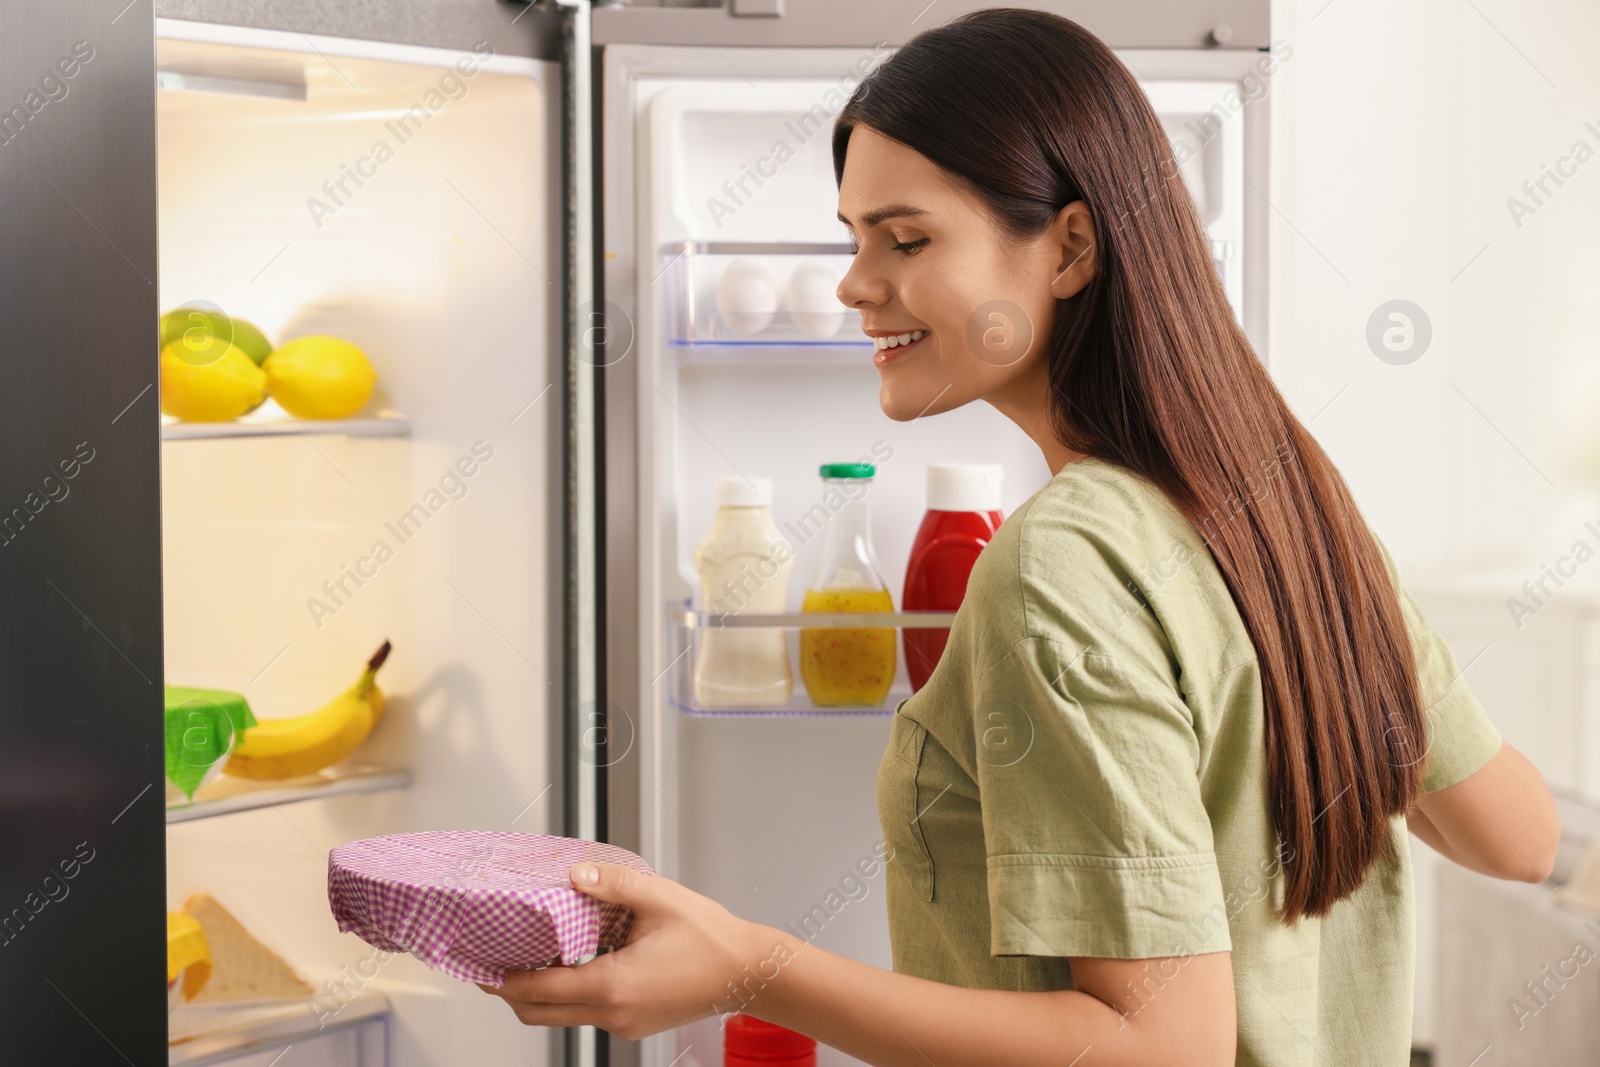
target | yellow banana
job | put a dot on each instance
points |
(289, 748)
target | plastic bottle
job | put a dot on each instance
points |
(750, 1042)
(847, 666)
(963, 514)
(744, 566)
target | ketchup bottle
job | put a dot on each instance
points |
(963, 514)
(750, 1042)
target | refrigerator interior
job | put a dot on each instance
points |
(775, 814)
(405, 199)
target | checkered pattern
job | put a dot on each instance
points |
(476, 904)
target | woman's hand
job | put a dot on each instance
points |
(683, 952)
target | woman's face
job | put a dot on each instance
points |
(931, 261)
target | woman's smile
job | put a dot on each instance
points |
(892, 345)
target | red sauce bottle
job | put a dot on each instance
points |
(750, 1042)
(963, 514)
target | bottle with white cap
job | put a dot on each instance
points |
(744, 568)
(963, 514)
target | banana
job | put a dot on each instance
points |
(289, 748)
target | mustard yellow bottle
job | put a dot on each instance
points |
(847, 666)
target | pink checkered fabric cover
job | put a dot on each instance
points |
(476, 904)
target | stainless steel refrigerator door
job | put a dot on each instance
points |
(82, 886)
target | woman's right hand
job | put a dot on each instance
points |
(685, 957)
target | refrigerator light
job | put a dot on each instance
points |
(180, 81)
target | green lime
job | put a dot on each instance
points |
(193, 321)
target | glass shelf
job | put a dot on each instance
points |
(226, 794)
(206, 1034)
(798, 707)
(733, 300)
(687, 625)
(269, 420)
(683, 614)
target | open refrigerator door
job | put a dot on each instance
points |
(405, 200)
(720, 203)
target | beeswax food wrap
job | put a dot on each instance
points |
(476, 904)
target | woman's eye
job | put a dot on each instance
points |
(905, 248)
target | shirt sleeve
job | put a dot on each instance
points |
(1098, 842)
(1461, 737)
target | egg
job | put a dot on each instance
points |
(813, 300)
(747, 296)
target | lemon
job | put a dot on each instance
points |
(193, 322)
(319, 378)
(206, 379)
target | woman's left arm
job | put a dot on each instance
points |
(687, 958)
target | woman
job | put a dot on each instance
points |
(1152, 806)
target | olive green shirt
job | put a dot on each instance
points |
(1083, 775)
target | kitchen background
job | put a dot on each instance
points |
(1416, 157)
(1430, 177)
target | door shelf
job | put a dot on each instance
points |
(688, 627)
(683, 614)
(755, 300)
(226, 795)
(274, 423)
(799, 706)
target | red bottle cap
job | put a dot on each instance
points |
(749, 1039)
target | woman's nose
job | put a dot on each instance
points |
(860, 287)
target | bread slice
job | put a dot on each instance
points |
(242, 968)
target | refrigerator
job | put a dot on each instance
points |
(521, 215)
(773, 812)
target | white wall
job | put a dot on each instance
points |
(1399, 133)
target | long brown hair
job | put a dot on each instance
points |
(1150, 371)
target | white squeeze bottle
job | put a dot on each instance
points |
(744, 569)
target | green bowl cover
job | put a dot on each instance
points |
(203, 725)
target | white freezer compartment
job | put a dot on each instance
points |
(405, 199)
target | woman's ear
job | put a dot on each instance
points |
(1071, 238)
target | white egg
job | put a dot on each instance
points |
(813, 299)
(747, 296)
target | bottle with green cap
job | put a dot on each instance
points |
(847, 666)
